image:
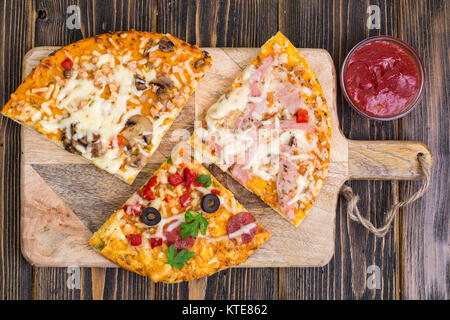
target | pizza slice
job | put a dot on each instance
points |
(181, 225)
(272, 130)
(112, 97)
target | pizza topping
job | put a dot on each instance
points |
(302, 115)
(286, 185)
(242, 224)
(175, 179)
(134, 210)
(290, 97)
(135, 239)
(204, 180)
(199, 63)
(171, 232)
(156, 242)
(152, 182)
(137, 161)
(150, 216)
(138, 129)
(240, 173)
(185, 199)
(140, 83)
(177, 260)
(162, 81)
(194, 221)
(215, 191)
(189, 177)
(67, 64)
(147, 193)
(165, 45)
(210, 203)
(67, 74)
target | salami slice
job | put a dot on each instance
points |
(172, 235)
(242, 224)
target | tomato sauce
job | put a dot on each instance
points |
(382, 78)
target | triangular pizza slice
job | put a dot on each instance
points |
(272, 130)
(181, 225)
(112, 97)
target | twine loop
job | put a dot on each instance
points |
(354, 213)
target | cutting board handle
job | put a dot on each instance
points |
(386, 160)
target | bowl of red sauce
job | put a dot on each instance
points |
(382, 78)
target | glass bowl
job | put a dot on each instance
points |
(415, 57)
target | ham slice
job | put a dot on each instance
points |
(258, 75)
(290, 98)
(292, 125)
(240, 173)
(286, 184)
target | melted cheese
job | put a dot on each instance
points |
(236, 100)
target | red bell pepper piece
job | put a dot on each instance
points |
(215, 191)
(153, 181)
(302, 115)
(135, 239)
(67, 64)
(155, 242)
(189, 177)
(175, 179)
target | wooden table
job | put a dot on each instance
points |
(412, 258)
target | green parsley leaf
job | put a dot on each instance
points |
(204, 179)
(169, 161)
(194, 220)
(178, 260)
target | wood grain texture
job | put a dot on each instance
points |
(420, 240)
(425, 223)
(16, 37)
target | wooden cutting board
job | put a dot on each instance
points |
(65, 198)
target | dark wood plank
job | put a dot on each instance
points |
(16, 37)
(229, 24)
(425, 223)
(337, 26)
(334, 25)
(96, 17)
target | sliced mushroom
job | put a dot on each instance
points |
(292, 141)
(139, 83)
(97, 146)
(206, 54)
(67, 74)
(162, 94)
(199, 63)
(137, 161)
(68, 145)
(165, 45)
(136, 128)
(83, 140)
(162, 81)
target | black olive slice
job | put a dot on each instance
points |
(150, 216)
(210, 203)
